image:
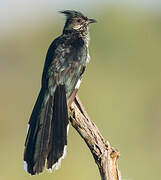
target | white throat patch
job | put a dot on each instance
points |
(77, 27)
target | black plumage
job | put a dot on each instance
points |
(65, 63)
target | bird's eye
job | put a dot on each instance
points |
(78, 20)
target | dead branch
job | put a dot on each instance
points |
(105, 156)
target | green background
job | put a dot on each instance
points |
(121, 90)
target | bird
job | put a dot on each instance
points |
(65, 63)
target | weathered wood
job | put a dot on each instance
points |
(105, 156)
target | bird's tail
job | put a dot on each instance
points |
(59, 128)
(47, 132)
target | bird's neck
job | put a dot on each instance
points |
(83, 34)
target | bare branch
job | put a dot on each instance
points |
(105, 156)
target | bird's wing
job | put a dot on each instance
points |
(68, 64)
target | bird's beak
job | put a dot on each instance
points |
(91, 21)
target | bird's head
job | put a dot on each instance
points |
(76, 21)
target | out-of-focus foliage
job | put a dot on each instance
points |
(121, 91)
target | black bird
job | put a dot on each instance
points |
(65, 63)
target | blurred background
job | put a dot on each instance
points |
(121, 88)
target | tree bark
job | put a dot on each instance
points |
(104, 155)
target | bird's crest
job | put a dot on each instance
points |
(72, 14)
